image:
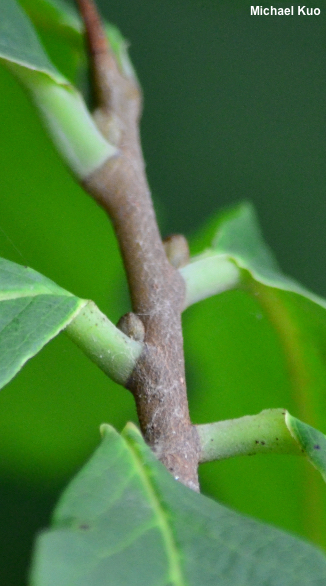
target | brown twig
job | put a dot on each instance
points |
(100, 56)
(156, 288)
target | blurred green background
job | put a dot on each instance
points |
(234, 108)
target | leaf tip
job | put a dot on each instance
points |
(106, 430)
(131, 431)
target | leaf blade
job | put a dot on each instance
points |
(19, 43)
(239, 236)
(270, 342)
(33, 310)
(311, 440)
(107, 517)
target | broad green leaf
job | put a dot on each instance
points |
(258, 347)
(63, 235)
(19, 43)
(60, 31)
(125, 520)
(237, 241)
(43, 389)
(312, 441)
(239, 236)
(33, 310)
(297, 315)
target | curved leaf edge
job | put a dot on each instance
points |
(237, 240)
(108, 347)
(225, 549)
(311, 440)
(21, 288)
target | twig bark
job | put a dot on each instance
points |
(157, 289)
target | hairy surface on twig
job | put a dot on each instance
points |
(157, 289)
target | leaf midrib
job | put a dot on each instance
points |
(175, 573)
(12, 295)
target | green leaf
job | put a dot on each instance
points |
(33, 310)
(60, 31)
(237, 241)
(259, 346)
(125, 521)
(312, 441)
(19, 43)
(297, 315)
(239, 236)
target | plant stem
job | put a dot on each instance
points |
(265, 433)
(157, 289)
(208, 275)
(303, 378)
(69, 123)
(103, 343)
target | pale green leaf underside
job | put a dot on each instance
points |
(125, 521)
(312, 441)
(19, 43)
(239, 237)
(33, 310)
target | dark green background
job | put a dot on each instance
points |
(234, 109)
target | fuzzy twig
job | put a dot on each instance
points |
(157, 289)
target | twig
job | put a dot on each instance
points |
(157, 289)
